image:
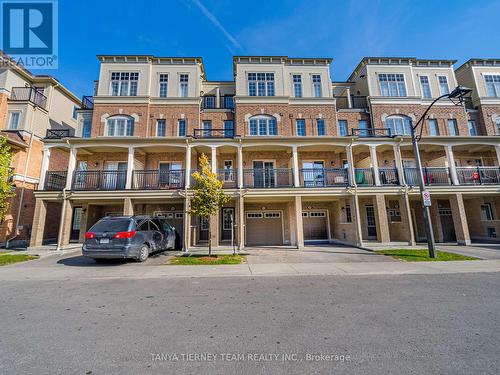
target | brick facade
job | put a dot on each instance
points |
(487, 116)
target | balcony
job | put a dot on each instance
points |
(478, 175)
(213, 133)
(229, 177)
(357, 102)
(158, 180)
(268, 178)
(388, 176)
(324, 177)
(432, 176)
(364, 176)
(372, 133)
(210, 102)
(29, 94)
(55, 180)
(88, 102)
(59, 133)
(99, 180)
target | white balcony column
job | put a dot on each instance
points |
(188, 167)
(451, 164)
(71, 167)
(214, 159)
(295, 164)
(497, 149)
(217, 97)
(130, 168)
(45, 167)
(349, 99)
(350, 166)
(399, 163)
(373, 157)
(239, 162)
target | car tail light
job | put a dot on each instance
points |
(128, 234)
(89, 235)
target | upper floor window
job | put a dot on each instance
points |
(263, 125)
(487, 212)
(392, 84)
(492, 85)
(316, 81)
(301, 127)
(297, 85)
(74, 112)
(433, 127)
(182, 127)
(124, 83)
(228, 101)
(261, 84)
(87, 127)
(161, 128)
(163, 88)
(343, 128)
(320, 126)
(426, 87)
(183, 85)
(471, 125)
(14, 120)
(452, 127)
(398, 125)
(120, 126)
(443, 85)
(228, 128)
(209, 102)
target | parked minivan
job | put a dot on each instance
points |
(128, 237)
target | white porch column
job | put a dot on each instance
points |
(295, 165)
(214, 159)
(349, 99)
(71, 167)
(239, 162)
(45, 166)
(217, 97)
(188, 167)
(399, 163)
(130, 168)
(451, 164)
(350, 166)
(373, 157)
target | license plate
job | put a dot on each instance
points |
(104, 240)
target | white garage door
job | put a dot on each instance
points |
(264, 228)
(315, 225)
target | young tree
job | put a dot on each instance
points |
(5, 176)
(208, 196)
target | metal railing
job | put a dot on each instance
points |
(478, 175)
(357, 102)
(372, 132)
(213, 133)
(268, 178)
(157, 180)
(432, 176)
(210, 102)
(59, 133)
(229, 177)
(364, 176)
(99, 180)
(30, 94)
(323, 177)
(88, 102)
(55, 180)
(227, 101)
(388, 176)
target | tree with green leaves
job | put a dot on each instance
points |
(208, 197)
(5, 177)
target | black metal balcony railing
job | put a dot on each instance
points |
(357, 102)
(388, 176)
(29, 94)
(268, 178)
(210, 102)
(229, 177)
(323, 177)
(88, 102)
(213, 133)
(227, 101)
(432, 176)
(478, 175)
(372, 132)
(59, 133)
(156, 180)
(364, 176)
(99, 180)
(55, 180)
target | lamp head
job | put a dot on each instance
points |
(459, 92)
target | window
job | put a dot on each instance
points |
(272, 215)
(398, 125)
(433, 127)
(452, 127)
(254, 215)
(261, 84)
(348, 215)
(492, 85)
(87, 127)
(498, 125)
(363, 128)
(161, 128)
(228, 170)
(228, 129)
(443, 85)
(487, 212)
(124, 83)
(297, 85)
(183, 85)
(471, 125)
(182, 128)
(144, 226)
(207, 128)
(163, 85)
(14, 120)
(120, 126)
(228, 102)
(263, 125)
(343, 128)
(74, 112)
(209, 102)
(301, 127)
(316, 80)
(320, 126)
(392, 84)
(394, 215)
(426, 87)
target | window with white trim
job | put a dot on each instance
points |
(433, 126)
(254, 215)
(161, 127)
(343, 131)
(317, 214)
(300, 125)
(471, 125)
(398, 125)
(297, 85)
(263, 125)
(163, 88)
(179, 215)
(119, 126)
(392, 84)
(260, 84)
(452, 127)
(124, 83)
(348, 216)
(320, 126)
(426, 87)
(272, 215)
(394, 215)
(182, 125)
(87, 127)
(492, 85)
(487, 212)
(14, 120)
(183, 85)
(443, 85)
(316, 81)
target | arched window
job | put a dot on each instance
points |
(120, 126)
(263, 125)
(398, 125)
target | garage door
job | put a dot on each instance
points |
(264, 228)
(315, 225)
(175, 219)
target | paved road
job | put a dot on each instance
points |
(418, 324)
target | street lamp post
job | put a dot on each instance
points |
(458, 93)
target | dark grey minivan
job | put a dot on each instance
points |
(128, 237)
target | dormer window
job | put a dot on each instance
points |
(260, 84)
(392, 84)
(124, 83)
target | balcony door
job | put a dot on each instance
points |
(115, 175)
(170, 174)
(313, 173)
(371, 224)
(263, 174)
(410, 172)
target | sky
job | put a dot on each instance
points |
(216, 30)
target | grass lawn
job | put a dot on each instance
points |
(15, 258)
(198, 259)
(422, 255)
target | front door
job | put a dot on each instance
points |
(370, 222)
(447, 225)
(227, 220)
(75, 224)
(263, 174)
(203, 235)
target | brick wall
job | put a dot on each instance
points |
(59, 160)
(3, 110)
(486, 115)
(353, 119)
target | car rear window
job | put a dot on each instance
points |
(111, 226)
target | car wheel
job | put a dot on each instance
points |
(143, 253)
